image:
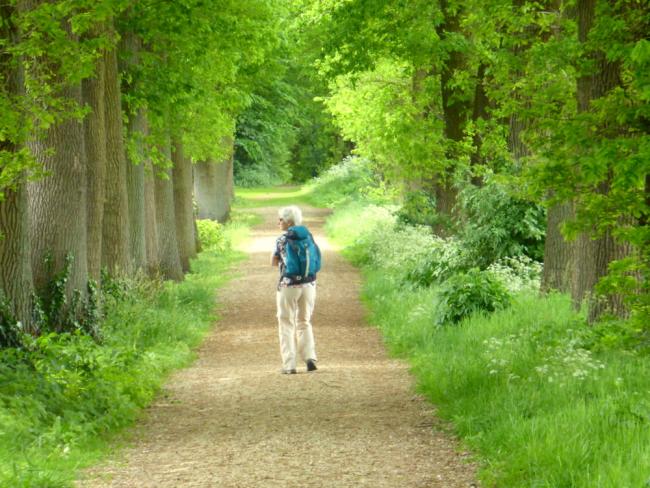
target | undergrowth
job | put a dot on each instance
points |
(63, 395)
(540, 397)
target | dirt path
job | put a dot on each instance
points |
(232, 420)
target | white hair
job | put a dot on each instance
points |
(291, 214)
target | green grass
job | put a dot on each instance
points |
(272, 196)
(522, 387)
(63, 402)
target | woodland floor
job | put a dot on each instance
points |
(232, 420)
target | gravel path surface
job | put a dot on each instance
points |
(231, 420)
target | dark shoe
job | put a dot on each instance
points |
(289, 371)
(311, 365)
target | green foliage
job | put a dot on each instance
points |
(351, 179)
(10, 328)
(419, 208)
(264, 137)
(376, 110)
(212, 236)
(56, 311)
(500, 225)
(46, 48)
(514, 382)
(63, 394)
(442, 259)
(467, 293)
(518, 273)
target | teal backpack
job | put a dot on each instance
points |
(303, 255)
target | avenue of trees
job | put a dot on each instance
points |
(546, 99)
(116, 131)
(123, 121)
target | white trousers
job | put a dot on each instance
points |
(295, 306)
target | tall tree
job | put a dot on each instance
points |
(15, 246)
(137, 132)
(183, 208)
(58, 202)
(592, 256)
(116, 231)
(170, 262)
(94, 91)
(151, 222)
(213, 185)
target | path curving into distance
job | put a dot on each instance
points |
(231, 420)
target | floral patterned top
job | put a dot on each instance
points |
(281, 253)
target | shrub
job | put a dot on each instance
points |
(518, 273)
(10, 329)
(211, 235)
(439, 261)
(466, 293)
(418, 208)
(499, 225)
(351, 179)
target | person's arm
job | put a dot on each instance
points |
(275, 257)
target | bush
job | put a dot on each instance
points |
(499, 225)
(519, 273)
(249, 177)
(419, 208)
(10, 329)
(352, 179)
(466, 293)
(212, 235)
(439, 261)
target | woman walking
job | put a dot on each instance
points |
(298, 258)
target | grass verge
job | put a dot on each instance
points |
(528, 388)
(64, 397)
(272, 196)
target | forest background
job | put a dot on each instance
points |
(501, 145)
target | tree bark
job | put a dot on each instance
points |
(137, 129)
(592, 256)
(213, 186)
(479, 112)
(150, 221)
(15, 245)
(95, 136)
(58, 203)
(455, 110)
(170, 263)
(205, 189)
(116, 231)
(558, 253)
(182, 176)
(136, 193)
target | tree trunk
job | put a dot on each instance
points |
(15, 245)
(226, 184)
(205, 189)
(479, 112)
(455, 110)
(115, 244)
(213, 187)
(150, 221)
(170, 263)
(58, 203)
(558, 253)
(95, 136)
(138, 129)
(592, 256)
(136, 192)
(182, 176)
